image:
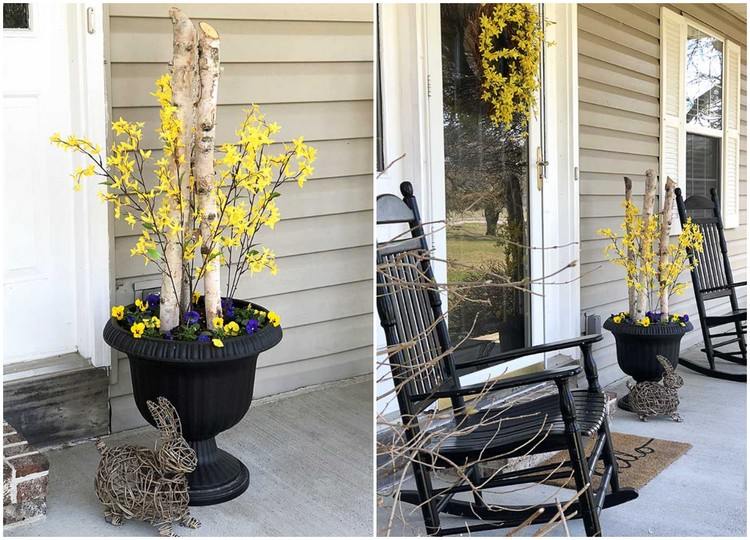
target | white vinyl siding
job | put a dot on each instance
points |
(619, 53)
(309, 67)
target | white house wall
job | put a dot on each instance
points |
(618, 74)
(309, 67)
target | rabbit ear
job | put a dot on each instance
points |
(157, 413)
(664, 363)
(153, 408)
(169, 421)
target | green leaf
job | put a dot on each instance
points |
(153, 253)
(274, 195)
(148, 226)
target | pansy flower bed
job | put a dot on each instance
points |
(650, 318)
(141, 319)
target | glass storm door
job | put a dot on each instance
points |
(491, 200)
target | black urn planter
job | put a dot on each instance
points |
(637, 348)
(210, 387)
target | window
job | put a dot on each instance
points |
(700, 112)
(704, 61)
(16, 17)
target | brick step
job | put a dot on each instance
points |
(25, 477)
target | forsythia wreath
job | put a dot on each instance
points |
(510, 73)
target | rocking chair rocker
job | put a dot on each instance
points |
(424, 370)
(712, 279)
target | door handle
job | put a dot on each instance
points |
(541, 165)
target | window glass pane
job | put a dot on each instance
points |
(703, 170)
(703, 79)
(486, 197)
(16, 16)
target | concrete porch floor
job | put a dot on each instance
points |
(310, 460)
(703, 493)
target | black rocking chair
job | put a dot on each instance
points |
(712, 279)
(425, 371)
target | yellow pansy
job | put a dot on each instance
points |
(217, 342)
(232, 328)
(617, 319)
(274, 318)
(118, 312)
(140, 304)
(137, 330)
(218, 322)
(645, 321)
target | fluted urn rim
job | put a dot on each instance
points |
(192, 352)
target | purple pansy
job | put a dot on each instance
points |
(204, 338)
(685, 318)
(130, 319)
(227, 307)
(192, 317)
(168, 335)
(252, 326)
(153, 300)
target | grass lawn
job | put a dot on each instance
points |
(468, 245)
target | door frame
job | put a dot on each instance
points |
(86, 31)
(559, 307)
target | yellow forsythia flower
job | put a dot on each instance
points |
(232, 328)
(118, 312)
(218, 322)
(137, 330)
(274, 318)
(217, 342)
(196, 297)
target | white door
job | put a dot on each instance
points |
(38, 207)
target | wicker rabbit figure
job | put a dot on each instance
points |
(651, 398)
(136, 482)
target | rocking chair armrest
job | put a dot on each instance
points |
(739, 284)
(489, 361)
(547, 375)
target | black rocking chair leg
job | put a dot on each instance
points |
(715, 373)
(512, 516)
(610, 459)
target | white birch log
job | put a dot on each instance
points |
(629, 252)
(649, 199)
(184, 68)
(203, 162)
(666, 225)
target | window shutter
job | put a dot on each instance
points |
(672, 139)
(730, 196)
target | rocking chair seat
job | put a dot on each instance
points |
(536, 424)
(737, 315)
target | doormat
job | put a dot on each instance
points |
(639, 459)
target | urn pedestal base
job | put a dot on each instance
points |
(219, 477)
